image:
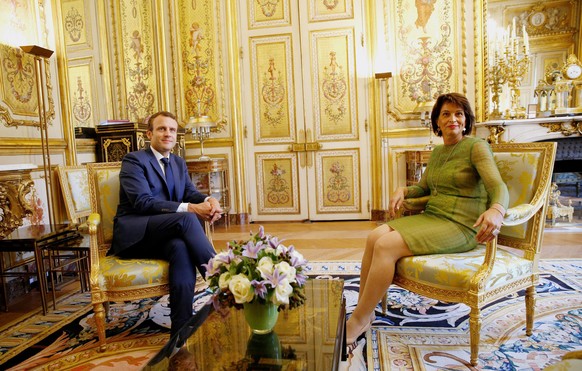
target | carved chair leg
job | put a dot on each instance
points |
(475, 332)
(530, 306)
(384, 303)
(100, 323)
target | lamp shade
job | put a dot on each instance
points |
(37, 50)
(199, 122)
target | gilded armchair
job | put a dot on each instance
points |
(113, 279)
(487, 273)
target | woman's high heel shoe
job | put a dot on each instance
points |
(351, 341)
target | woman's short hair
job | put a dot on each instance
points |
(150, 119)
(455, 98)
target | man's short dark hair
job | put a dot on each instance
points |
(150, 119)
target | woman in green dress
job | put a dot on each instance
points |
(466, 206)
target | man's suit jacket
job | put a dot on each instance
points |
(143, 192)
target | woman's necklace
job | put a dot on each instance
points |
(435, 184)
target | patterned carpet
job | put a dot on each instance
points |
(421, 334)
(417, 333)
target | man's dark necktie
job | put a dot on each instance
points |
(169, 177)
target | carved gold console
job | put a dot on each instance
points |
(530, 130)
(15, 185)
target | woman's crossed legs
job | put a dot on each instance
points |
(384, 247)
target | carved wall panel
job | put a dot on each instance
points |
(137, 50)
(427, 43)
(269, 13)
(81, 93)
(334, 85)
(278, 188)
(76, 29)
(18, 89)
(198, 55)
(338, 177)
(328, 10)
(273, 90)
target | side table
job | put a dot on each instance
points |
(211, 177)
(34, 238)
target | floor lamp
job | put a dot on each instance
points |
(40, 54)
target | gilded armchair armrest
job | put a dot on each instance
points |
(93, 222)
(520, 214)
(513, 216)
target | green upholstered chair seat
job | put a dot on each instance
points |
(454, 272)
(121, 274)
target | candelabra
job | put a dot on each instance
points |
(200, 127)
(425, 107)
(510, 64)
(496, 81)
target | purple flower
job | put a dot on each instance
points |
(250, 250)
(225, 257)
(274, 242)
(210, 269)
(275, 278)
(260, 288)
(301, 279)
(261, 233)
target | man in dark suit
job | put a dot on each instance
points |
(158, 214)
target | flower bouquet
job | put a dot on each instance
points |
(260, 271)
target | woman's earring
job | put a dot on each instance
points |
(464, 129)
(439, 132)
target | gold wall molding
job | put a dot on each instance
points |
(20, 146)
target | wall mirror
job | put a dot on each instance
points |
(552, 29)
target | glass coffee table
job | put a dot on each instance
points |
(310, 337)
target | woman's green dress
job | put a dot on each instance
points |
(463, 181)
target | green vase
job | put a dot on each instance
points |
(261, 317)
(261, 347)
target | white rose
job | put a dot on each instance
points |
(241, 289)
(297, 257)
(265, 266)
(289, 271)
(282, 292)
(224, 280)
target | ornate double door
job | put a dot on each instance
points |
(305, 107)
